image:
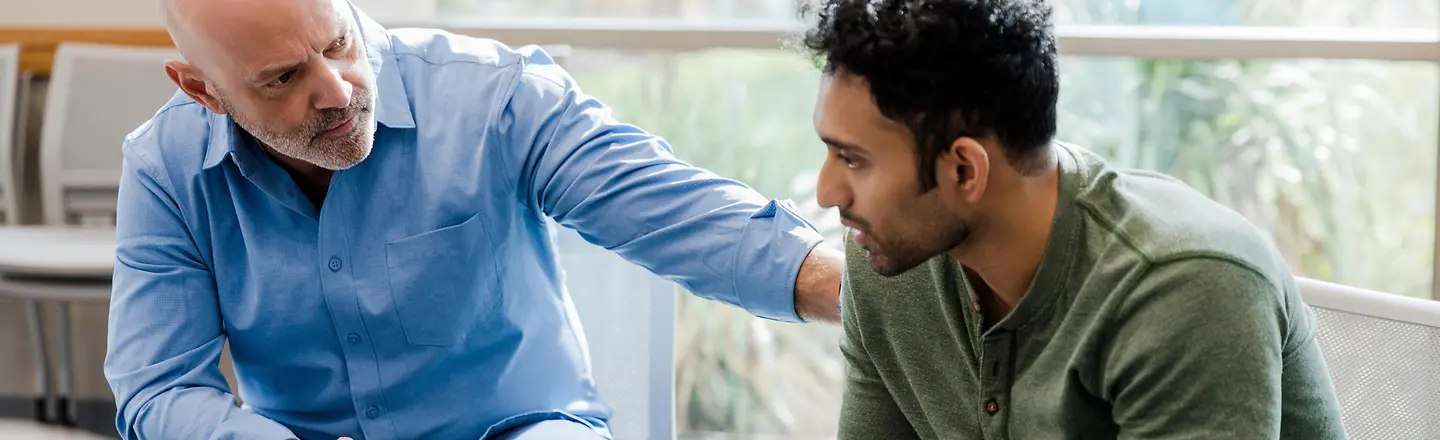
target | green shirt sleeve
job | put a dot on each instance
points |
(1197, 353)
(868, 410)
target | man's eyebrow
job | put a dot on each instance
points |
(279, 68)
(836, 143)
(275, 70)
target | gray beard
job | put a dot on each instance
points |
(305, 145)
(330, 154)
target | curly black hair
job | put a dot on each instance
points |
(948, 69)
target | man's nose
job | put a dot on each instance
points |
(334, 91)
(831, 191)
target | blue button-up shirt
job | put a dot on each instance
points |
(424, 298)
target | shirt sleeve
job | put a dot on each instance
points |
(867, 411)
(622, 189)
(1198, 354)
(165, 335)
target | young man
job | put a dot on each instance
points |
(1001, 285)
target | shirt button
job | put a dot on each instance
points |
(372, 412)
(354, 338)
(975, 305)
(334, 264)
(991, 407)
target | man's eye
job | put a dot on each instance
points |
(283, 79)
(339, 44)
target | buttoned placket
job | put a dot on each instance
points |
(339, 289)
(994, 370)
(996, 382)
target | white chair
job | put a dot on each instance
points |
(1383, 352)
(628, 316)
(97, 95)
(9, 126)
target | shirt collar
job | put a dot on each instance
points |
(392, 105)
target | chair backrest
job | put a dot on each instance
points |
(98, 94)
(628, 316)
(9, 115)
(1383, 352)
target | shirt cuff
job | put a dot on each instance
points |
(774, 245)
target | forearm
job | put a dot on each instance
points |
(180, 397)
(198, 413)
(817, 286)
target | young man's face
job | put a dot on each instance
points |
(871, 176)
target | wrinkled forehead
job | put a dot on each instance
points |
(246, 36)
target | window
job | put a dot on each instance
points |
(1334, 158)
(692, 10)
(1305, 13)
(390, 11)
(1300, 13)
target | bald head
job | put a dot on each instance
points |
(293, 73)
(202, 29)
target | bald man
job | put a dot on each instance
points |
(361, 214)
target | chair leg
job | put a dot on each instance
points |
(67, 374)
(44, 393)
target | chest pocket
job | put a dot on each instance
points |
(445, 283)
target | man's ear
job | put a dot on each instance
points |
(188, 78)
(964, 166)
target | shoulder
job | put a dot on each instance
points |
(1157, 219)
(1185, 254)
(437, 47)
(171, 146)
(1216, 282)
(460, 65)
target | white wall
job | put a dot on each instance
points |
(99, 13)
(146, 13)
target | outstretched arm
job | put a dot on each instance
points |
(623, 190)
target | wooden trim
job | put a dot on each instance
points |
(37, 44)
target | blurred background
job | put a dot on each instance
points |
(1317, 120)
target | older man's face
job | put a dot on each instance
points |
(294, 75)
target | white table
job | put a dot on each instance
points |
(11, 429)
(61, 264)
(57, 252)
